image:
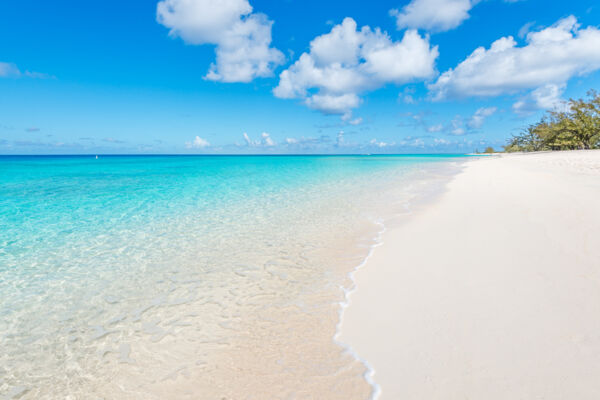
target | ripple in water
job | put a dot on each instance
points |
(179, 277)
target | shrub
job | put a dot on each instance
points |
(578, 127)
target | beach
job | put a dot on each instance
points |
(491, 290)
(296, 200)
(305, 277)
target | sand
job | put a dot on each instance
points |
(492, 291)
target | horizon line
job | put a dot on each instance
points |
(229, 154)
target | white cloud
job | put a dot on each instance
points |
(265, 141)
(333, 103)
(8, 70)
(440, 141)
(347, 118)
(544, 98)
(418, 142)
(243, 38)
(407, 95)
(346, 62)
(477, 120)
(408, 99)
(548, 96)
(525, 29)
(339, 140)
(307, 143)
(250, 142)
(435, 128)
(197, 143)
(551, 57)
(374, 142)
(457, 126)
(433, 15)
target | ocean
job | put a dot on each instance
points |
(200, 277)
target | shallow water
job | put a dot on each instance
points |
(215, 277)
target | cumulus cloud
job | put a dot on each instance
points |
(418, 142)
(197, 143)
(380, 144)
(333, 103)
(433, 15)
(243, 38)
(265, 141)
(346, 62)
(549, 59)
(457, 128)
(435, 128)
(459, 125)
(406, 95)
(546, 97)
(249, 141)
(477, 120)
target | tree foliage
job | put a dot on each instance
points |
(578, 127)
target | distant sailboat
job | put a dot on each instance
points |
(96, 157)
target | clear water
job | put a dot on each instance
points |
(188, 276)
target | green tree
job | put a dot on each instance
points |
(576, 127)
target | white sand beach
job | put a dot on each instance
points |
(492, 291)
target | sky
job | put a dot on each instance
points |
(287, 76)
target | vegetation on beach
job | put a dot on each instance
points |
(575, 127)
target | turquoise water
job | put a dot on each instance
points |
(125, 275)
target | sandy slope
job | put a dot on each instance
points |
(492, 291)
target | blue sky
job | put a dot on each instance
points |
(288, 76)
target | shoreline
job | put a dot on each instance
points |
(369, 370)
(436, 183)
(417, 345)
